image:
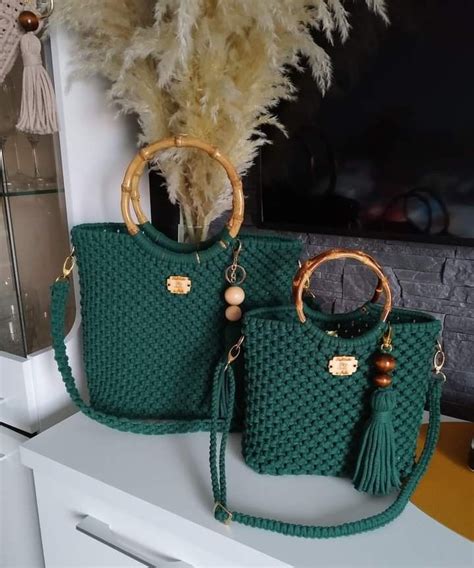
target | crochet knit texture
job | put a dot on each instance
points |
(300, 419)
(148, 353)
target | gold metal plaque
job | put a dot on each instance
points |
(178, 284)
(343, 365)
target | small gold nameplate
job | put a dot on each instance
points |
(178, 284)
(343, 365)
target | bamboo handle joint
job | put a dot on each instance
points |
(130, 185)
(306, 270)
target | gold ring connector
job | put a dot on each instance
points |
(219, 505)
(439, 361)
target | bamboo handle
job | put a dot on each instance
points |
(307, 268)
(131, 180)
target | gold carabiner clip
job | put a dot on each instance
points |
(387, 338)
(68, 266)
(234, 352)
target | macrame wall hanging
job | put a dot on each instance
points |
(20, 24)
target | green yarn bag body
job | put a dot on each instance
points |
(314, 421)
(149, 353)
(302, 417)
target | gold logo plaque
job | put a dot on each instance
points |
(178, 284)
(343, 365)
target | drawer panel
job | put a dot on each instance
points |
(20, 541)
(17, 398)
(89, 525)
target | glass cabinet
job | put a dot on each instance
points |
(33, 228)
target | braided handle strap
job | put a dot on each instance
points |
(59, 294)
(224, 378)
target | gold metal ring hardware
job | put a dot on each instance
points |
(238, 248)
(219, 505)
(438, 361)
(237, 269)
(439, 358)
(234, 269)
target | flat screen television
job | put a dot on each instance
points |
(388, 152)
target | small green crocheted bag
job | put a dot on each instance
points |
(339, 395)
(152, 310)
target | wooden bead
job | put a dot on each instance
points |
(233, 313)
(29, 21)
(383, 380)
(385, 362)
(234, 295)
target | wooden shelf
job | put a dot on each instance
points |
(21, 193)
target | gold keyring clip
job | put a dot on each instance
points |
(387, 340)
(68, 266)
(234, 352)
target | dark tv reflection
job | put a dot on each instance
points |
(390, 150)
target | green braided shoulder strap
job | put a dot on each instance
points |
(224, 381)
(59, 294)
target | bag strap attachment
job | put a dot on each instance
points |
(59, 295)
(224, 380)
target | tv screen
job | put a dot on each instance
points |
(389, 150)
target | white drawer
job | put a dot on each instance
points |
(93, 525)
(17, 397)
(20, 541)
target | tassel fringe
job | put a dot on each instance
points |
(38, 104)
(376, 470)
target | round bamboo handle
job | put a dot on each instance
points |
(307, 268)
(131, 181)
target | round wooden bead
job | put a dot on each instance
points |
(385, 362)
(233, 313)
(234, 295)
(383, 380)
(29, 21)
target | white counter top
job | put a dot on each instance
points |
(172, 473)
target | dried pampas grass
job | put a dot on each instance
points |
(214, 69)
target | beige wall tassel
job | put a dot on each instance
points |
(38, 104)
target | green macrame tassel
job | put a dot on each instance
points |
(376, 471)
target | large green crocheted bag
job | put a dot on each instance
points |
(339, 395)
(152, 310)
